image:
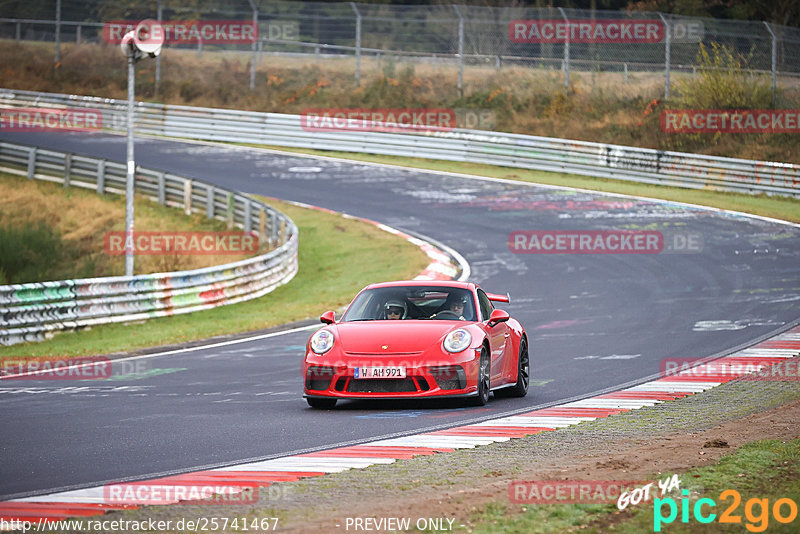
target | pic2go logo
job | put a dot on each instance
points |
(756, 511)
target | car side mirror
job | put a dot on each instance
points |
(498, 316)
(328, 317)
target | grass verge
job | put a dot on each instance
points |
(48, 232)
(784, 208)
(330, 246)
(765, 471)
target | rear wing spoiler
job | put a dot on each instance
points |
(494, 297)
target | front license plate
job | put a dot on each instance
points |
(379, 372)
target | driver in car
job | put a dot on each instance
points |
(454, 304)
(395, 309)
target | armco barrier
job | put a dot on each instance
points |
(510, 150)
(29, 311)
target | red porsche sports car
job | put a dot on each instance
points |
(417, 339)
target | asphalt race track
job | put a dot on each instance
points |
(595, 320)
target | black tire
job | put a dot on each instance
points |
(321, 404)
(520, 389)
(484, 376)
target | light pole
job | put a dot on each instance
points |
(147, 38)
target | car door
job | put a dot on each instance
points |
(498, 340)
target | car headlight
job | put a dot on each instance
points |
(457, 340)
(322, 341)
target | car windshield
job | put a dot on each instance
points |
(412, 302)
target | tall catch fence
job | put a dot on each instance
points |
(602, 160)
(451, 37)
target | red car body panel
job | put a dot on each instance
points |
(417, 346)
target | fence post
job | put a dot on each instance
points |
(774, 62)
(566, 51)
(57, 58)
(358, 44)
(32, 163)
(101, 176)
(667, 54)
(67, 168)
(158, 57)
(460, 51)
(254, 47)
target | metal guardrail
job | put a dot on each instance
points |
(511, 150)
(29, 311)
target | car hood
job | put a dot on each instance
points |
(392, 337)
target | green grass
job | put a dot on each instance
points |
(337, 257)
(784, 208)
(768, 469)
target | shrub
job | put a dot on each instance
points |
(722, 82)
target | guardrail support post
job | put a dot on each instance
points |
(162, 188)
(248, 224)
(101, 176)
(229, 214)
(566, 51)
(460, 51)
(667, 54)
(32, 163)
(187, 197)
(67, 168)
(358, 43)
(273, 237)
(78, 34)
(262, 227)
(18, 32)
(209, 202)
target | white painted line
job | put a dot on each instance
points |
(166, 353)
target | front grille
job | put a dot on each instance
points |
(386, 385)
(449, 376)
